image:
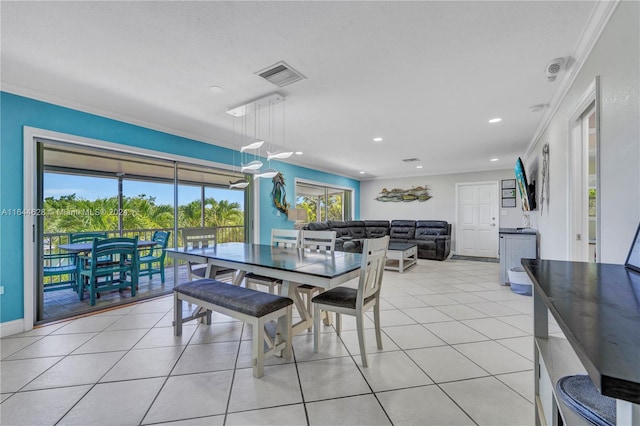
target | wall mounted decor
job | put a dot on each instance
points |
(397, 195)
(545, 176)
(279, 194)
(509, 193)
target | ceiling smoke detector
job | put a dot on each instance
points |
(553, 68)
(537, 108)
(281, 74)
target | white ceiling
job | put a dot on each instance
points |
(425, 76)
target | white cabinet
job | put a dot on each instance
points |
(514, 246)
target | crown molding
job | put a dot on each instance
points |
(600, 15)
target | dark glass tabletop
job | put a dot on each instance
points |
(401, 246)
(312, 262)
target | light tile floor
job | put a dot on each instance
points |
(457, 350)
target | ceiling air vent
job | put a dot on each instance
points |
(280, 74)
(411, 160)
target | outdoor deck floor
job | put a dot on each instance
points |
(66, 303)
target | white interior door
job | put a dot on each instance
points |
(477, 206)
(583, 183)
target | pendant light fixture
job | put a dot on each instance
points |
(283, 153)
(258, 140)
(255, 145)
(242, 182)
(255, 164)
(266, 173)
(251, 166)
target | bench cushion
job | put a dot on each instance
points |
(240, 299)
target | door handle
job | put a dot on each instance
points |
(493, 224)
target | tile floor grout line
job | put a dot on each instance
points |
(97, 381)
(233, 375)
(155, 398)
(404, 283)
(437, 384)
(304, 403)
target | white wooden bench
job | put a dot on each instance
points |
(251, 306)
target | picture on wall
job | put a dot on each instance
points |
(508, 193)
(508, 202)
(404, 195)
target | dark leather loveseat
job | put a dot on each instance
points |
(433, 237)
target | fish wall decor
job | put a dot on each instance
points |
(279, 194)
(404, 195)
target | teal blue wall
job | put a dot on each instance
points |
(270, 217)
(17, 112)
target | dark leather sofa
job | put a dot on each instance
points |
(433, 237)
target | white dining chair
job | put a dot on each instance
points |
(355, 302)
(285, 238)
(315, 240)
(203, 238)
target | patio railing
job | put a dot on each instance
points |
(224, 234)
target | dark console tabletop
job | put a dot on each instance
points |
(526, 231)
(597, 306)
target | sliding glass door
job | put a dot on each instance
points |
(84, 189)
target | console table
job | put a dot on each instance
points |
(597, 307)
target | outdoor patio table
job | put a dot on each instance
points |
(86, 247)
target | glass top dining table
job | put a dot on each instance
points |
(293, 266)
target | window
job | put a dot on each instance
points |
(85, 189)
(323, 202)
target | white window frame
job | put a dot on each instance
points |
(328, 185)
(31, 135)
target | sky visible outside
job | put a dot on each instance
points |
(91, 188)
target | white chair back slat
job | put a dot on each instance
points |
(374, 253)
(199, 238)
(319, 240)
(285, 238)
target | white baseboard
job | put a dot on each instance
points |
(10, 328)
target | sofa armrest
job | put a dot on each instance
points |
(443, 246)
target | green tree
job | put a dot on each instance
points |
(223, 213)
(190, 215)
(69, 213)
(310, 204)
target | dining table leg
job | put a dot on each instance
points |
(212, 271)
(306, 318)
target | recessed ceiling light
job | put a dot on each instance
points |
(216, 89)
(418, 167)
(494, 159)
(495, 120)
(298, 152)
(362, 172)
(377, 139)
